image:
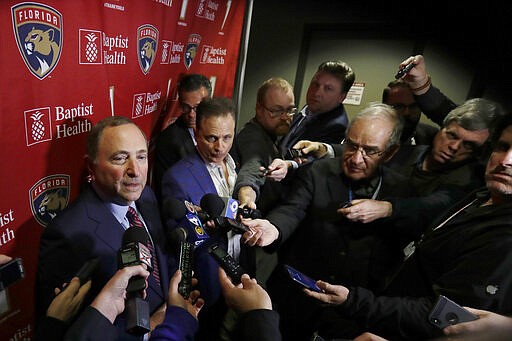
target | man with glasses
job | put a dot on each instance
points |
(261, 180)
(177, 140)
(440, 174)
(309, 230)
(465, 254)
(324, 118)
(400, 97)
(261, 163)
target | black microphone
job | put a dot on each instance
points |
(248, 212)
(185, 250)
(223, 213)
(134, 252)
(185, 215)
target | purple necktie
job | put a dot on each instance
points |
(134, 220)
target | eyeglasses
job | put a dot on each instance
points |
(279, 113)
(402, 107)
(351, 148)
(186, 108)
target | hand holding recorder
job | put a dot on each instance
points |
(247, 296)
(416, 76)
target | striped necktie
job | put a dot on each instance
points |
(134, 220)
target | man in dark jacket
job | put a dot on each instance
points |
(465, 255)
(324, 118)
(311, 233)
(177, 140)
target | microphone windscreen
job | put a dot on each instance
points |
(212, 204)
(135, 234)
(174, 208)
(178, 235)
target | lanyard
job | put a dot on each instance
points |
(411, 247)
(375, 193)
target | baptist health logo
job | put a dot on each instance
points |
(97, 48)
(145, 103)
(68, 121)
(38, 126)
(38, 32)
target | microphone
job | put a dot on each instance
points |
(134, 252)
(227, 207)
(186, 216)
(223, 212)
(248, 212)
(178, 239)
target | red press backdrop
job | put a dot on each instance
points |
(67, 65)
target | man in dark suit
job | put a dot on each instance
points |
(94, 225)
(465, 254)
(209, 170)
(177, 140)
(313, 235)
(324, 118)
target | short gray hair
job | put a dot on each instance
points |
(475, 114)
(386, 112)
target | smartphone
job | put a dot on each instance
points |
(11, 272)
(232, 268)
(85, 272)
(293, 154)
(446, 313)
(299, 277)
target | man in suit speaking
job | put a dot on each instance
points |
(94, 225)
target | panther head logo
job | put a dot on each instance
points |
(52, 203)
(38, 32)
(147, 40)
(43, 48)
(147, 54)
(191, 50)
(49, 196)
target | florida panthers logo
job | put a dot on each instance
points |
(192, 47)
(147, 42)
(48, 197)
(38, 32)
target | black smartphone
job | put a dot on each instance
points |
(293, 154)
(232, 268)
(11, 272)
(403, 71)
(299, 277)
(85, 272)
(446, 313)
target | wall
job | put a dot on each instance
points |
(465, 54)
(95, 68)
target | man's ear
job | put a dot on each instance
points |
(89, 164)
(391, 152)
(342, 97)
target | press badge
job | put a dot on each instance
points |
(409, 250)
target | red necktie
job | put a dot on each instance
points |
(134, 220)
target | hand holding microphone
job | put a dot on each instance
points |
(135, 252)
(224, 211)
